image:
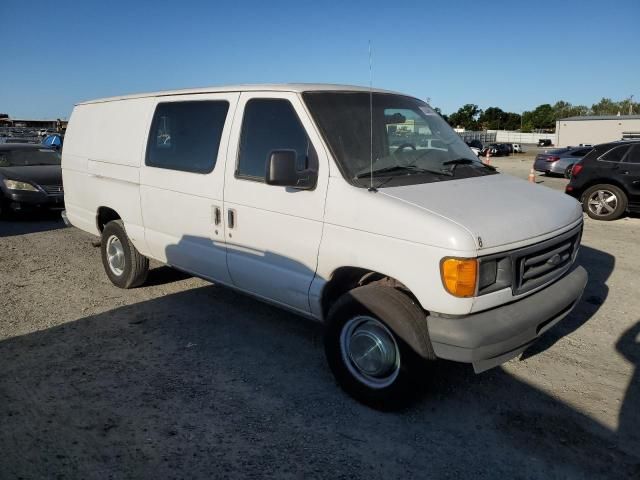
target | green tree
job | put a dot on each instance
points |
(466, 117)
(542, 118)
(564, 109)
(494, 118)
(606, 106)
(624, 107)
(512, 121)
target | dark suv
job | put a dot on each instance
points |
(607, 180)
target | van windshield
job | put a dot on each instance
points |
(411, 143)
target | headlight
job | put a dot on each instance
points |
(15, 185)
(488, 272)
(459, 276)
(494, 274)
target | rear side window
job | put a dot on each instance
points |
(580, 153)
(268, 125)
(186, 136)
(615, 154)
(634, 154)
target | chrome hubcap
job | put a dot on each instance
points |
(370, 352)
(602, 202)
(115, 255)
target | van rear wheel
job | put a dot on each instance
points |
(369, 359)
(123, 264)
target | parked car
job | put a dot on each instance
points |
(406, 254)
(19, 140)
(496, 150)
(475, 146)
(607, 180)
(559, 161)
(508, 147)
(517, 148)
(30, 177)
(54, 141)
(475, 151)
(544, 142)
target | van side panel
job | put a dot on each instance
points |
(395, 239)
(113, 132)
(101, 159)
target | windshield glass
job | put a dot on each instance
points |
(411, 142)
(28, 157)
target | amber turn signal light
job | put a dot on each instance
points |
(459, 276)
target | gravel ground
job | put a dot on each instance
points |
(182, 378)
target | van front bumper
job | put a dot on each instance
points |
(492, 337)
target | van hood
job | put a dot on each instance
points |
(499, 209)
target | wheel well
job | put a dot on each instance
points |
(347, 278)
(104, 216)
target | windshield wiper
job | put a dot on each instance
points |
(399, 168)
(465, 161)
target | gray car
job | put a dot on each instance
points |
(559, 161)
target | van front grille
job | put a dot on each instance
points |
(542, 263)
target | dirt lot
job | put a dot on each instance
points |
(182, 378)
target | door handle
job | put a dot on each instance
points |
(231, 218)
(217, 215)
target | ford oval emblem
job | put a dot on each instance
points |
(555, 260)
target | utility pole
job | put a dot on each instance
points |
(631, 105)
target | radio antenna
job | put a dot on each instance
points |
(371, 187)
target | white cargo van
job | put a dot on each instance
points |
(333, 202)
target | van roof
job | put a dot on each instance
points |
(275, 87)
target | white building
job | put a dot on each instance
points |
(594, 129)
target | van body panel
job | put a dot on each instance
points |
(113, 171)
(416, 265)
(272, 250)
(113, 132)
(392, 216)
(100, 163)
(179, 207)
(499, 209)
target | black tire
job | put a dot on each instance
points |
(136, 266)
(407, 324)
(618, 208)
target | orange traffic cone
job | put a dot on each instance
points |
(488, 160)
(532, 176)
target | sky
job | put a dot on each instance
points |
(514, 55)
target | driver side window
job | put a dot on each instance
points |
(271, 124)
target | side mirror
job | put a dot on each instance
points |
(281, 171)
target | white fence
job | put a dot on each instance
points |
(519, 137)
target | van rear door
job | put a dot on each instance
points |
(182, 179)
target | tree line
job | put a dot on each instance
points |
(543, 117)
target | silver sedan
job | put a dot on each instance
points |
(559, 161)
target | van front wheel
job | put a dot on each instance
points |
(368, 358)
(124, 265)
